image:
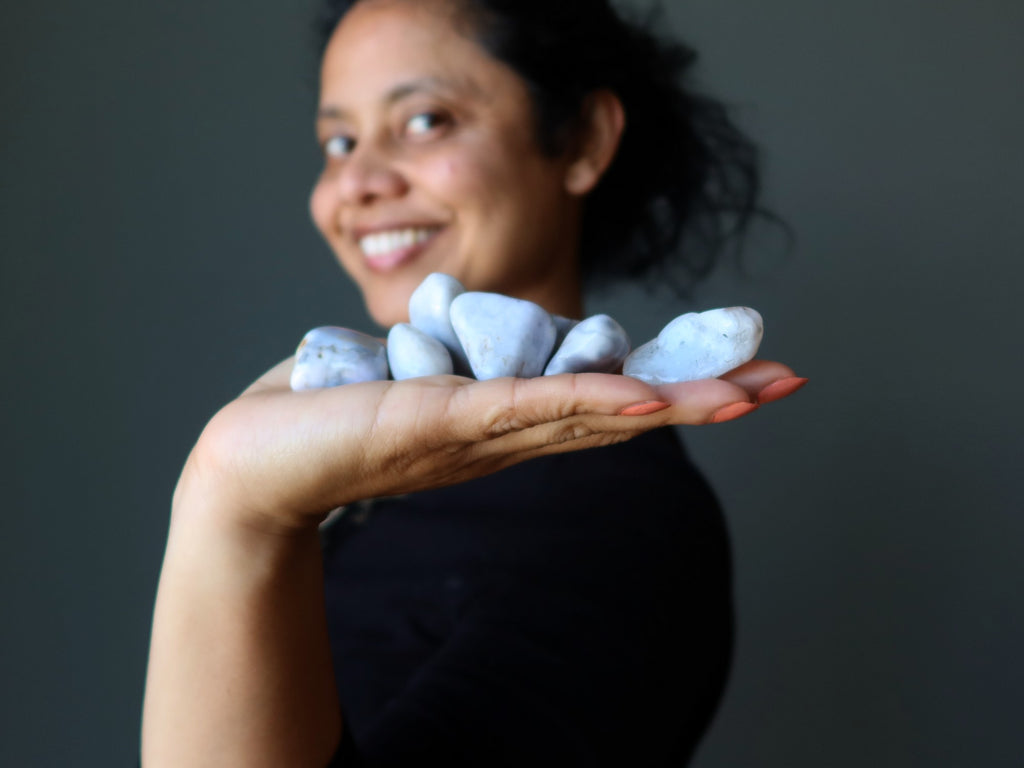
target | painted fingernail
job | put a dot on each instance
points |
(731, 411)
(780, 389)
(644, 408)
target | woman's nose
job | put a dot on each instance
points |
(369, 174)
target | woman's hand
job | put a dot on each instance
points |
(240, 665)
(284, 459)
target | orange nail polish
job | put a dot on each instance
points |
(643, 409)
(780, 389)
(731, 411)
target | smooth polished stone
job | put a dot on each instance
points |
(429, 311)
(413, 353)
(331, 356)
(503, 336)
(698, 346)
(595, 345)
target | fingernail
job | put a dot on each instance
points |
(780, 389)
(644, 408)
(731, 411)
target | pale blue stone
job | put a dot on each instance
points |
(596, 345)
(503, 336)
(429, 311)
(413, 353)
(698, 346)
(331, 356)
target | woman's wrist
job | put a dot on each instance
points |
(210, 497)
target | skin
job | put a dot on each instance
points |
(420, 127)
(240, 670)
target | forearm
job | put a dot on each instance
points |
(239, 670)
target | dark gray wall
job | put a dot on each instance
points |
(156, 256)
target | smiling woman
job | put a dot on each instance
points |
(490, 593)
(431, 165)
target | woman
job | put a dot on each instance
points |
(542, 614)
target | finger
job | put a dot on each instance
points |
(765, 380)
(705, 401)
(489, 409)
(278, 377)
(576, 413)
(555, 413)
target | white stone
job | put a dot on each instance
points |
(698, 346)
(429, 311)
(331, 356)
(597, 344)
(413, 353)
(503, 336)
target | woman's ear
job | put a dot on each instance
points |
(600, 130)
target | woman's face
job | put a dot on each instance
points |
(431, 165)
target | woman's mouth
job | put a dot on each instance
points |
(388, 249)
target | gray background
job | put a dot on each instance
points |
(156, 255)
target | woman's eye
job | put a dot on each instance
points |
(338, 146)
(423, 123)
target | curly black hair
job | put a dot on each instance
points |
(685, 182)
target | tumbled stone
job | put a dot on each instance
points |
(429, 311)
(503, 336)
(698, 346)
(331, 356)
(413, 353)
(597, 345)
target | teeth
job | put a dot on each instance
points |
(380, 243)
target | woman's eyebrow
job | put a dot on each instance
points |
(403, 90)
(465, 86)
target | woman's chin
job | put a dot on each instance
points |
(387, 300)
(388, 313)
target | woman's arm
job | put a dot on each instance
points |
(239, 670)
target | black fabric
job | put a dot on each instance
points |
(572, 610)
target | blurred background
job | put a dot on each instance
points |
(155, 160)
